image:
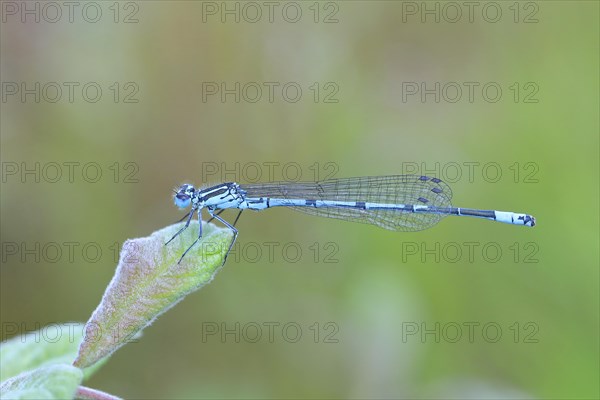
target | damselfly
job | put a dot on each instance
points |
(397, 203)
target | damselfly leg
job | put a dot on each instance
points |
(197, 239)
(230, 226)
(190, 215)
(217, 213)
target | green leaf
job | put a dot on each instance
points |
(50, 382)
(53, 344)
(148, 281)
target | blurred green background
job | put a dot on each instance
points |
(542, 134)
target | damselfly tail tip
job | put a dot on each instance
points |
(528, 220)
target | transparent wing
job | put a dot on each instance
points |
(396, 189)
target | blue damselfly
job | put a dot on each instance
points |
(397, 202)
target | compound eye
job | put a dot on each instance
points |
(183, 197)
(182, 200)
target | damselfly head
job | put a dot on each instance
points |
(183, 195)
